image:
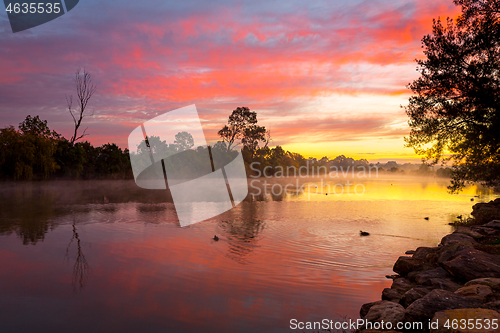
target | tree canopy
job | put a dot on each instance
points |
(454, 112)
(242, 125)
(35, 152)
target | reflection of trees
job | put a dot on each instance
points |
(242, 237)
(261, 191)
(242, 234)
(28, 215)
(32, 231)
(81, 268)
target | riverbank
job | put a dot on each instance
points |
(450, 287)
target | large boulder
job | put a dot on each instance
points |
(424, 308)
(486, 231)
(493, 283)
(470, 264)
(468, 231)
(448, 252)
(477, 291)
(495, 224)
(366, 307)
(457, 238)
(392, 295)
(401, 284)
(485, 212)
(424, 277)
(386, 312)
(462, 317)
(405, 265)
(491, 228)
(421, 253)
(445, 284)
(413, 294)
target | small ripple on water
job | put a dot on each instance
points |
(320, 247)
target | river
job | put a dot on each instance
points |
(104, 256)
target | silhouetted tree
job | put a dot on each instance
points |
(252, 136)
(184, 141)
(242, 125)
(29, 152)
(84, 91)
(454, 114)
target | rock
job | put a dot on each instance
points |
(421, 253)
(386, 312)
(461, 317)
(424, 308)
(495, 305)
(457, 238)
(449, 252)
(445, 284)
(424, 277)
(493, 283)
(472, 264)
(485, 212)
(495, 224)
(366, 307)
(486, 231)
(430, 282)
(405, 265)
(392, 295)
(413, 294)
(478, 291)
(468, 231)
(401, 284)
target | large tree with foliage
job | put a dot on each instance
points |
(454, 112)
(35, 152)
(242, 125)
(29, 152)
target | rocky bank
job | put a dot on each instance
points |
(458, 279)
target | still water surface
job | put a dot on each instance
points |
(108, 257)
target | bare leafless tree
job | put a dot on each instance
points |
(267, 138)
(81, 268)
(84, 91)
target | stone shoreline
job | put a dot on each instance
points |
(457, 281)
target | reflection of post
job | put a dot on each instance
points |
(81, 268)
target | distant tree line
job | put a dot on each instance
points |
(33, 151)
(242, 128)
(415, 169)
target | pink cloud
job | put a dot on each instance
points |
(274, 59)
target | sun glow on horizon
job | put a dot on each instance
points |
(327, 78)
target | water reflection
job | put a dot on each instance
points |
(242, 236)
(280, 256)
(81, 267)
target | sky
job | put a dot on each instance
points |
(326, 77)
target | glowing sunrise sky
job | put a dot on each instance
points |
(327, 77)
